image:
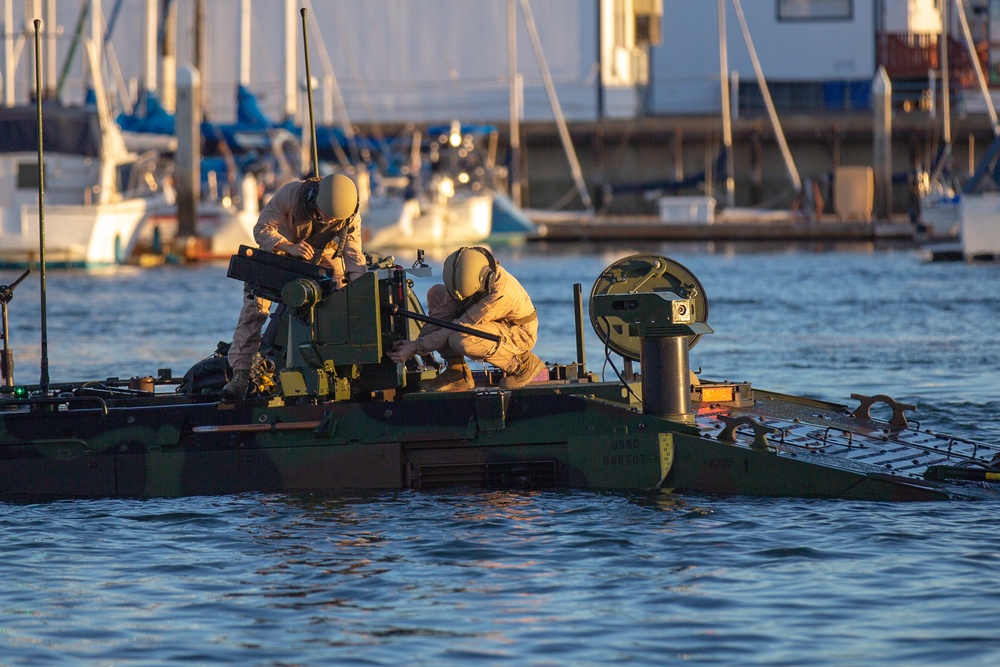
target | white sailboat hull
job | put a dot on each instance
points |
(75, 236)
(220, 230)
(942, 215)
(397, 223)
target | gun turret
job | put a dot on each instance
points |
(331, 340)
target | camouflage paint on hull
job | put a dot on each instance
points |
(550, 435)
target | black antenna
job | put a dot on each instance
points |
(6, 354)
(309, 93)
(44, 381)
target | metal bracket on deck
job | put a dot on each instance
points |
(491, 408)
(728, 434)
(864, 410)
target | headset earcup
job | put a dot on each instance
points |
(490, 277)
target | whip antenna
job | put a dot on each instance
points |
(44, 381)
(309, 94)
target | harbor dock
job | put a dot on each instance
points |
(651, 228)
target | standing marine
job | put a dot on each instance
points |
(477, 293)
(315, 220)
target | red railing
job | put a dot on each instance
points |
(907, 56)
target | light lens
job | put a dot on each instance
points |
(717, 394)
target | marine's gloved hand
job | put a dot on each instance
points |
(402, 350)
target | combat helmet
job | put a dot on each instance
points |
(337, 197)
(469, 271)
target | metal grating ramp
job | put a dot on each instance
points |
(857, 444)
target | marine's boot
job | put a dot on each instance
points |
(528, 368)
(457, 377)
(237, 388)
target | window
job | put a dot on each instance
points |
(815, 10)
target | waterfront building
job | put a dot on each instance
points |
(621, 70)
(427, 61)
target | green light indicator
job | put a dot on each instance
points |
(20, 392)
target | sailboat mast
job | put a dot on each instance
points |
(168, 57)
(793, 173)
(978, 67)
(727, 122)
(50, 49)
(199, 40)
(8, 55)
(245, 43)
(514, 171)
(97, 37)
(291, 60)
(149, 51)
(550, 88)
(945, 75)
(942, 159)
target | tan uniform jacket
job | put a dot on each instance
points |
(506, 310)
(282, 220)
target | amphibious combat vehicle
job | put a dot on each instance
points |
(333, 412)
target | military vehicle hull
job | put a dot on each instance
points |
(340, 415)
(549, 435)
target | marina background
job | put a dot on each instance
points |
(535, 578)
(637, 81)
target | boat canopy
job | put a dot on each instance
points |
(66, 130)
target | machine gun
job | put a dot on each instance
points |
(266, 273)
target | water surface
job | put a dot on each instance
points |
(533, 578)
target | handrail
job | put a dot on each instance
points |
(57, 400)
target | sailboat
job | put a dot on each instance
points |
(98, 194)
(939, 191)
(449, 193)
(701, 209)
(249, 157)
(230, 199)
(442, 187)
(978, 204)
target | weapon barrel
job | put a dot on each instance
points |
(445, 324)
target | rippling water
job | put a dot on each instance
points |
(540, 578)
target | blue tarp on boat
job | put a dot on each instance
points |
(250, 132)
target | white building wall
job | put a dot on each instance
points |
(394, 60)
(436, 60)
(922, 17)
(685, 68)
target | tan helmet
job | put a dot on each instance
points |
(337, 197)
(469, 271)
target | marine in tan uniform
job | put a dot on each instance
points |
(315, 220)
(477, 293)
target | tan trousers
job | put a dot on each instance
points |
(246, 337)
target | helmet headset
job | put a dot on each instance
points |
(469, 272)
